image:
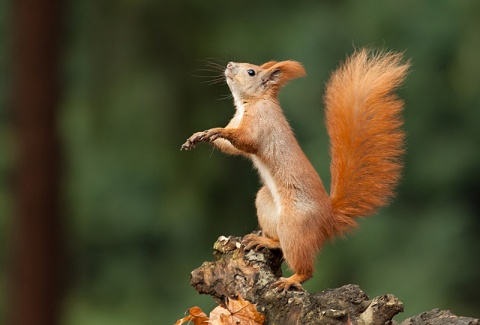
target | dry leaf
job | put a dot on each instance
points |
(236, 312)
(215, 315)
(197, 317)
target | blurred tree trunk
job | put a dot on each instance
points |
(37, 247)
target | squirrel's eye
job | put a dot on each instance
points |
(251, 72)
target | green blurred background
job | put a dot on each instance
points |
(139, 214)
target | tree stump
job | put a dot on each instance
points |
(249, 274)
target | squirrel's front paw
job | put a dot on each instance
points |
(204, 136)
(193, 140)
(213, 134)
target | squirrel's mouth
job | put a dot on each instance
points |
(228, 74)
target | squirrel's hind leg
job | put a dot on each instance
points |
(300, 244)
(268, 219)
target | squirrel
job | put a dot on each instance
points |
(364, 123)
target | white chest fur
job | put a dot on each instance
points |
(264, 172)
(237, 119)
(269, 181)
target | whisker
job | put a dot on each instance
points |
(213, 71)
(216, 80)
(209, 70)
(214, 65)
(225, 97)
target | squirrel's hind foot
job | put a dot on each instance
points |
(293, 282)
(252, 241)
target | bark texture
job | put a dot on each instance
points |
(249, 274)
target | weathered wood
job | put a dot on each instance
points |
(249, 274)
(439, 317)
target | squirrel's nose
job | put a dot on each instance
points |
(230, 65)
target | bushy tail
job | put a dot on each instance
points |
(364, 123)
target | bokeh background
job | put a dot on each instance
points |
(136, 215)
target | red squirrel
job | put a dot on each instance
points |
(364, 124)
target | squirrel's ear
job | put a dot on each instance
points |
(268, 64)
(282, 72)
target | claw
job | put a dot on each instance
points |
(250, 246)
(252, 241)
(294, 281)
(256, 242)
(187, 146)
(193, 140)
(284, 284)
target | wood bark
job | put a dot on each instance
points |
(36, 253)
(249, 274)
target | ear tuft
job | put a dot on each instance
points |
(267, 65)
(282, 72)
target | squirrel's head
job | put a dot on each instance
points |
(248, 81)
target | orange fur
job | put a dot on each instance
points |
(364, 125)
(283, 72)
(293, 208)
(268, 64)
